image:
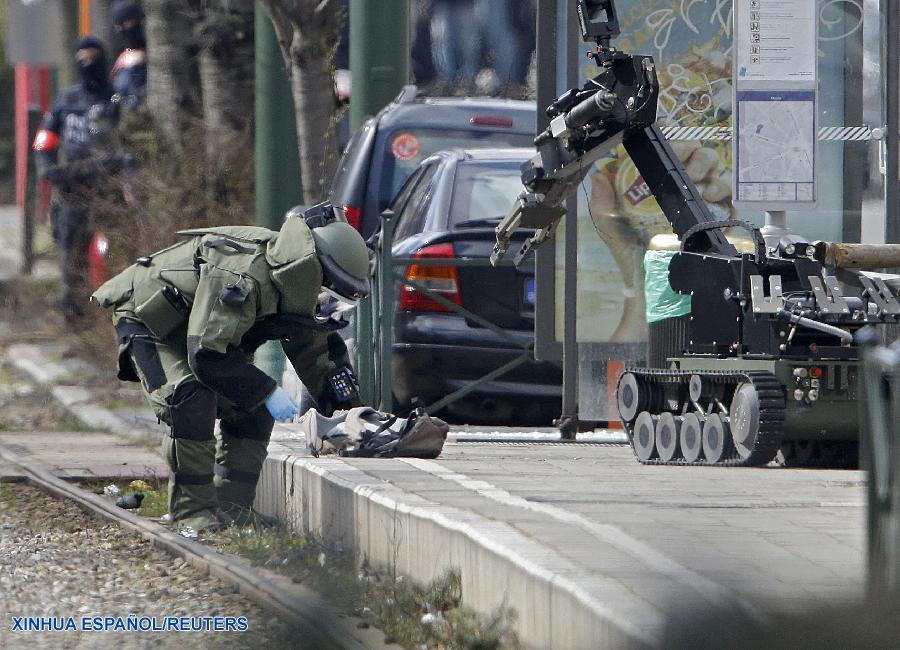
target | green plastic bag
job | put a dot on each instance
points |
(662, 301)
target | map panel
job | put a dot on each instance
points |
(775, 152)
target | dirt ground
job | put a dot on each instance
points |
(28, 314)
(59, 562)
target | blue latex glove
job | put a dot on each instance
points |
(280, 404)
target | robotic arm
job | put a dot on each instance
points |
(618, 106)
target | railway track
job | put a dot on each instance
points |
(322, 627)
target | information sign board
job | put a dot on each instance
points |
(775, 142)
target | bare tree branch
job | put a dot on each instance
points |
(281, 22)
(308, 32)
(326, 7)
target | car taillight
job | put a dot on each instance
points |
(492, 120)
(443, 280)
(353, 215)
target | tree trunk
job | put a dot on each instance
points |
(312, 85)
(225, 35)
(173, 79)
(308, 33)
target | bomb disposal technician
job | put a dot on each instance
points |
(188, 320)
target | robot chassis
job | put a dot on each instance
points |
(769, 358)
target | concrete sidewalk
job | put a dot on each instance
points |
(11, 248)
(10, 251)
(591, 548)
(85, 455)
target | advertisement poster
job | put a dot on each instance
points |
(618, 216)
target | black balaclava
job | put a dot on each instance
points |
(93, 76)
(133, 37)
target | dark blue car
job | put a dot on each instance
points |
(388, 147)
(448, 209)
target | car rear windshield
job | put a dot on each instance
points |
(484, 190)
(406, 148)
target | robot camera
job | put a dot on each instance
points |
(599, 21)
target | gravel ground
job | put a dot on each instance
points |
(57, 561)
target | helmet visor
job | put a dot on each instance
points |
(331, 303)
(345, 285)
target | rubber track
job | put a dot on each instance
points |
(771, 412)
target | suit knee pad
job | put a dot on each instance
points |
(256, 425)
(192, 412)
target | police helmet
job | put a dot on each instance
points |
(123, 10)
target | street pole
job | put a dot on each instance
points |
(892, 122)
(68, 36)
(379, 67)
(379, 55)
(84, 17)
(556, 25)
(276, 160)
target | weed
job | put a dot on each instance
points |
(117, 404)
(68, 422)
(155, 491)
(386, 601)
(156, 501)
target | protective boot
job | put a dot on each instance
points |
(240, 453)
(192, 495)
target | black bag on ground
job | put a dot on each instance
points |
(365, 432)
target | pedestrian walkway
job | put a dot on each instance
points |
(10, 251)
(591, 548)
(11, 248)
(85, 455)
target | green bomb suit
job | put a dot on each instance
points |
(188, 320)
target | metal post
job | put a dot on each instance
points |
(277, 165)
(881, 456)
(892, 122)
(545, 341)
(365, 337)
(32, 199)
(568, 420)
(379, 54)
(379, 64)
(546, 60)
(386, 313)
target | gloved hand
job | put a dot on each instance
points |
(280, 404)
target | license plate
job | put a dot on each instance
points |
(530, 292)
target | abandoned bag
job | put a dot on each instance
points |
(365, 432)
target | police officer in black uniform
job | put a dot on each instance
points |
(78, 127)
(129, 74)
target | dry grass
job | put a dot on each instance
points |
(409, 614)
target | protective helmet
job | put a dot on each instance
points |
(344, 257)
(123, 10)
(93, 72)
